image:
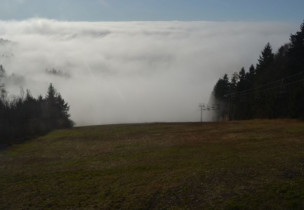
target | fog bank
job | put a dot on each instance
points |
(127, 72)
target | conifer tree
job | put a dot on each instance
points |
(264, 63)
(296, 50)
(2, 86)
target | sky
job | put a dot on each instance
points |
(134, 61)
(154, 10)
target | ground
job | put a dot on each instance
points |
(255, 164)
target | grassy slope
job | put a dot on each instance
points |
(234, 165)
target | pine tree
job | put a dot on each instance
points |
(234, 81)
(296, 66)
(221, 93)
(222, 88)
(265, 60)
(56, 110)
(296, 50)
(2, 86)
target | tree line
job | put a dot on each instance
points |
(273, 88)
(25, 116)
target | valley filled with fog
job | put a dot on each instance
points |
(128, 72)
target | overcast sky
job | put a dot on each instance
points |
(138, 10)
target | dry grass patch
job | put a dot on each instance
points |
(255, 164)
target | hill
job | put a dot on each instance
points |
(255, 164)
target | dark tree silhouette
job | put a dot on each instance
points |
(2, 87)
(296, 51)
(275, 88)
(26, 117)
(265, 59)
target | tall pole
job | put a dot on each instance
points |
(201, 114)
(209, 108)
(202, 108)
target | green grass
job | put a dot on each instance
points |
(255, 164)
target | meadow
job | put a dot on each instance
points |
(256, 164)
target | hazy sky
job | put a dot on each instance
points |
(124, 10)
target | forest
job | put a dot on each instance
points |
(273, 88)
(24, 117)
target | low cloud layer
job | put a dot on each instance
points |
(126, 72)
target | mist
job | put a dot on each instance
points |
(130, 72)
